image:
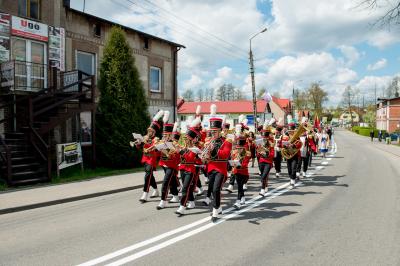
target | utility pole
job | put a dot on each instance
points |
(253, 88)
(253, 85)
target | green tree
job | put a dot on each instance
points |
(123, 106)
(317, 96)
(261, 93)
(188, 95)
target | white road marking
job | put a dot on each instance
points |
(145, 252)
(324, 163)
(328, 159)
(167, 234)
(195, 231)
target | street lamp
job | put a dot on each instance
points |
(253, 85)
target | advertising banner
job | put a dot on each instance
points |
(29, 29)
(68, 154)
(57, 47)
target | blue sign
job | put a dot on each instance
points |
(250, 120)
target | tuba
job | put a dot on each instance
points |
(290, 152)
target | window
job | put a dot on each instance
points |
(146, 43)
(97, 30)
(183, 118)
(155, 79)
(29, 8)
(86, 62)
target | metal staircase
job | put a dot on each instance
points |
(26, 153)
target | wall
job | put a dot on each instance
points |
(277, 111)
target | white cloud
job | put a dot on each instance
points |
(302, 70)
(223, 76)
(351, 54)
(377, 65)
(194, 82)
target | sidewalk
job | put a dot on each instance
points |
(32, 198)
(390, 148)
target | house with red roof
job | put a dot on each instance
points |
(231, 110)
(280, 107)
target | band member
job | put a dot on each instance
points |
(251, 140)
(189, 160)
(199, 142)
(169, 162)
(239, 133)
(266, 157)
(241, 172)
(216, 152)
(176, 135)
(308, 147)
(294, 145)
(150, 156)
(278, 144)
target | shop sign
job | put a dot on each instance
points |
(57, 47)
(29, 29)
(68, 154)
(7, 74)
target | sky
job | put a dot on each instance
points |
(334, 43)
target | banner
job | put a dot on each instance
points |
(68, 154)
(4, 37)
(206, 120)
(29, 29)
(57, 47)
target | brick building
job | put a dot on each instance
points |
(388, 114)
(50, 56)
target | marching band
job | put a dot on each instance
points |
(218, 151)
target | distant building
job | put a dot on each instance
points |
(345, 118)
(388, 114)
(231, 110)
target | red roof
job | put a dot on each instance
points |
(225, 107)
(283, 103)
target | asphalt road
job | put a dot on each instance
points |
(346, 213)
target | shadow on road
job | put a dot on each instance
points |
(322, 181)
(266, 211)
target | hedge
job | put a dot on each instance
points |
(364, 131)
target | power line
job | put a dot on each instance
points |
(221, 49)
(194, 25)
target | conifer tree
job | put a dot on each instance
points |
(122, 108)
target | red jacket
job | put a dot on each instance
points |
(268, 159)
(220, 164)
(171, 162)
(151, 157)
(188, 160)
(243, 169)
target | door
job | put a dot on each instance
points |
(30, 64)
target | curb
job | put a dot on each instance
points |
(66, 200)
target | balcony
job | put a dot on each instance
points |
(20, 76)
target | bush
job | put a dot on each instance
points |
(364, 131)
(123, 105)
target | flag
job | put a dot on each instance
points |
(317, 123)
(267, 97)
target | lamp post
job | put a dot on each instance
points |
(253, 85)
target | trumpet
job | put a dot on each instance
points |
(263, 149)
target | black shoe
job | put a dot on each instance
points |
(214, 219)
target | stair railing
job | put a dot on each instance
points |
(6, 159)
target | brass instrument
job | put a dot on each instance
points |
(263, 149)
(290, 151)
(210, 151)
